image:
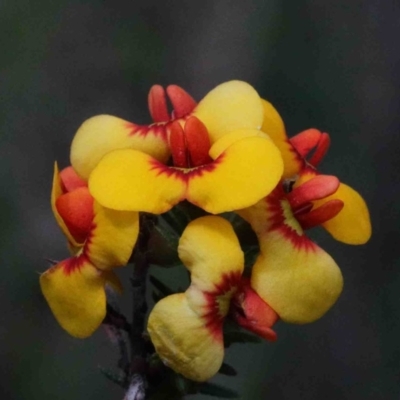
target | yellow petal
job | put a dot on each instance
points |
(275, 128)
(298, 279)
(56, 192)
(352, 225)
(211, 251)
(242, 173)
(230, 106)
(112, 238)
(99, 135)
(129, 180)
(74, 290)
(182, 340)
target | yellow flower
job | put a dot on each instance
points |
(352, 224)
(186, 328)
(100, 240)
(218, 154)
(293, 274)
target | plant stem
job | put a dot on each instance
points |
(138, 367)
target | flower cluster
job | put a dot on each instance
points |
(227, 153)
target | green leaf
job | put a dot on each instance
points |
(226, 369)
(215, 390)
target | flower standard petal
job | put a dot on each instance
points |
(230, 106)
(298, 279)
(275, 128)
(352, 225)
(237, 178)
(112, 238)
(182, 339)
(74, 290)
(129, 180)
(99, 135)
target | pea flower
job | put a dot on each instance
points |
(100, 239)
(352, 224)
(186, 328)
(217, 149)
(293, 274)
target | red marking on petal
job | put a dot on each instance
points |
(197, 141)
(182, 102)
(73, 264)
(158, 104)
(213, 315)
(316, 188)
(177, 145)
(278, 221)
(305, 141)
(251, 312)
(157, 130)
(321, 214)
(322, 148)
(76, 210)
(162, 169)
(71, 180)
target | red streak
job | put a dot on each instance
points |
(212, 314)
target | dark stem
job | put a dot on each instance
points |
(138, 367)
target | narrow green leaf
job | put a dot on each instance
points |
(215, 390)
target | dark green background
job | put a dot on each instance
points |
(327, 64)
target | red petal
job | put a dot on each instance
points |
(305, 141)
(198, 142)
(158, 104)
(177, 144)
(182, 102)
(251, 312)
(71, 180)
(76, 210)
(316, 188)
(320, 151)
(321, 214)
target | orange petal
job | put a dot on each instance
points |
(243, 172)
(158, 104)
(74, 290)
(183, 341)
(230, 106)
(298, 279)
(129, 180)
(56, 192)
(76, 210)
(113, 237)
(275, 128)
(104, 133)
(70, 180)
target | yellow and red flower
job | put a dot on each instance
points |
(217, 149)
(186, 328)
(100, 239)
(294, 275)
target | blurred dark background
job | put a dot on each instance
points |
(332, 65)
